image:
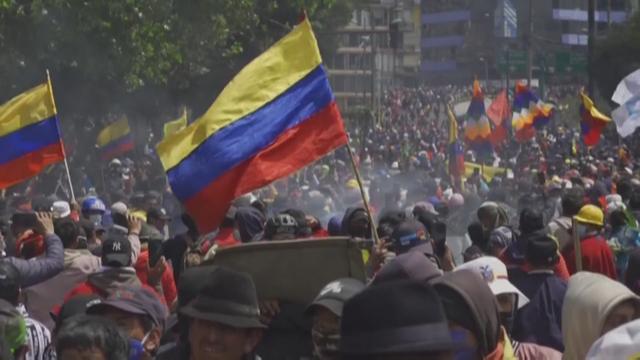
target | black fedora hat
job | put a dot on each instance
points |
(229, 298)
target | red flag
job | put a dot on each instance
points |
(499, 111)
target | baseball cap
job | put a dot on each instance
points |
(119, 208)
(335, 294)
(494, 272)
(620, 343)
(409, 234)
(77, 305)
(157, 213)
(134, 300)
(60, 209)
(116, 250)
(410, 266)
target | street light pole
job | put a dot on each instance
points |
(530, 45)
(592, 44)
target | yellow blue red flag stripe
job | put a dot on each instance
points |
(276, 116)
(115, 139)
(29, 135)
(593, 121)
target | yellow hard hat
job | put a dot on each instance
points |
(591, 214)
(352, 184)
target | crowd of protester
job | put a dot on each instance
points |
(486, 270)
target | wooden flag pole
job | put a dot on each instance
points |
(374, 230)
(64, 153)
(577, 247)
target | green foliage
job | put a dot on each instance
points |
(144, 57)
(618, 55)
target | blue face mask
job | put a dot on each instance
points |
(464, 350)
(136, 347)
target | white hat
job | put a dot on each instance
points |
(119, 208)
(622, 342)
(494, 272)
(60, 209)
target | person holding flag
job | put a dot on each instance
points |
(456, 153)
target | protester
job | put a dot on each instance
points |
(594, 304)
(632, 275)
(250, 223)
(596, 254)
(139, 313)
(474, 317)
(405, 329)
(224, 318)
(34, 271)
(116, 270)
(540, 320)
(495, 225)
(413, 265)
(78, 264)
(13, 333)
(157, 274)
(560, 228)
(38, 336)
(326, 313)
(91, 337)
(509, 300)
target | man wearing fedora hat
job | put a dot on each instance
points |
(224, 318)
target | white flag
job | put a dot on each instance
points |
(627, 116)
(627, 88)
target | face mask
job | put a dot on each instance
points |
(325, 346)
(96, 219)
(464, 350)
(582, 231)
(506, 320)
(136, 347)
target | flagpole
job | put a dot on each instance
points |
(64, 153)
(364, 197)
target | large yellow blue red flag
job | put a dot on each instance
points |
(29, 135)
(276, 116)
(593, 121)
(116, 139)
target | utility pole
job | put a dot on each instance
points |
(373, 57)
(592, 44)
(530, 45)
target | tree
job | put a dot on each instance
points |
(143, 57)
(617, 55)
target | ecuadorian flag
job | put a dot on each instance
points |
(593, 121)
(276, 116)
(115, 139)
(29, 135)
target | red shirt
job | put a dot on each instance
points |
(168, 283)
(596, 257)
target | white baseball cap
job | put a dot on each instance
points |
(622, 342)
(60, 209)
(494, 272)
